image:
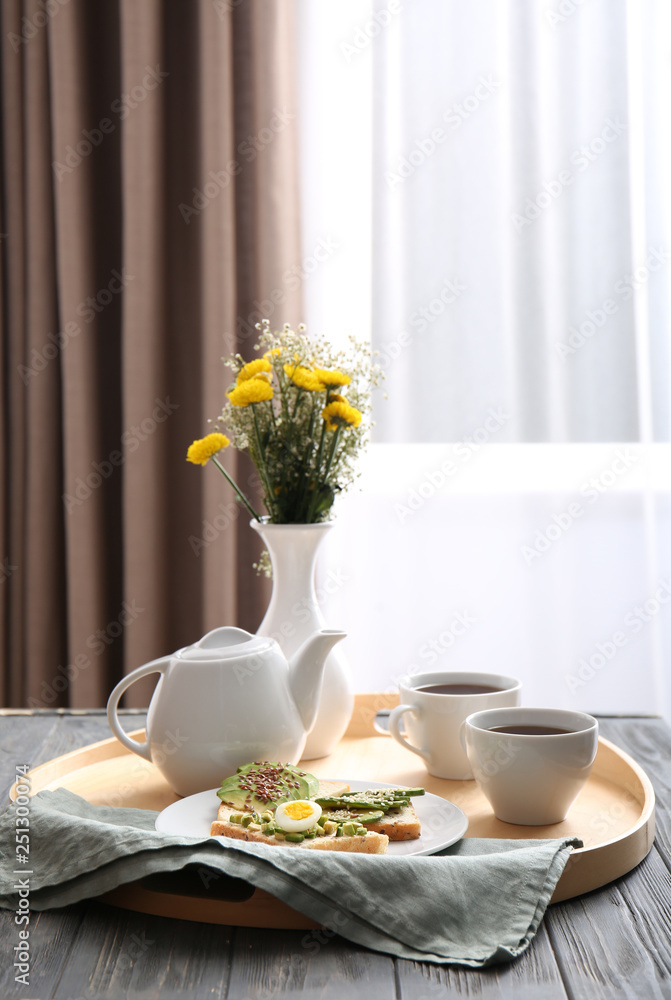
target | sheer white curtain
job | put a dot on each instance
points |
(494, 179)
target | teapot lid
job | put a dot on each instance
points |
(226, 643)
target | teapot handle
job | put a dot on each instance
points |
(154, 667)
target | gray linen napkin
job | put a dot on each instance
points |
(477, 903)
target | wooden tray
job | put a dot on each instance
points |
(614, 816)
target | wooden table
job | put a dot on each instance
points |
(615, 942)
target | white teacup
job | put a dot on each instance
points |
(531, 778)
(433, 719)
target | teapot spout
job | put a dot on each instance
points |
(306, 671)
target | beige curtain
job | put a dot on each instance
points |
(149, 211)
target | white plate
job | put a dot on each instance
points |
(443, 823)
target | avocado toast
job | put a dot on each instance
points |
(277, 804)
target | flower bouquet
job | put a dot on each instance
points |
(302, 413)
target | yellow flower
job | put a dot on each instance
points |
(335, 397)
(304, 378)
(338, 414)
(254, 390)
(253, 368)
(334, 378)
(273, 353)
(201, 451)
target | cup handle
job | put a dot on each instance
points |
(462, 736)
(154, 667)
(395, 720)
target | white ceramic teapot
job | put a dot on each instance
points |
(228, 699)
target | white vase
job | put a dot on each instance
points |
(294, 613)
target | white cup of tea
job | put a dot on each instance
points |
(531, 763)
(433, 707)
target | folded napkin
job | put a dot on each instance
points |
(476, 903)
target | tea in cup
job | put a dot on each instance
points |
(531, 763)
(434, 706)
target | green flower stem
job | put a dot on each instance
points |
(285, 469)
(337, 460)
(300, 394)
(320, 449)
(238, 492)
(276, 432)
(284, 401)
(311, 498)
(292, 416)
(311, 426)
(332, 449)
(270, 499)
(306, 466)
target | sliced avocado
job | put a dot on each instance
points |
(264, 784)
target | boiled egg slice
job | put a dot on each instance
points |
(297, 816)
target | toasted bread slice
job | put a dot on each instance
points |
(403, 825)
(371, 843)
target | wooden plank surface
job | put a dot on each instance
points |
(315, 964)
(124, 954)
(617, 942)
(52, 938)
(649, 743)
(612, 943)
(534, 976)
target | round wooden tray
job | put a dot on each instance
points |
(614, 816)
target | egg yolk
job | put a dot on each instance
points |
(298, 810)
